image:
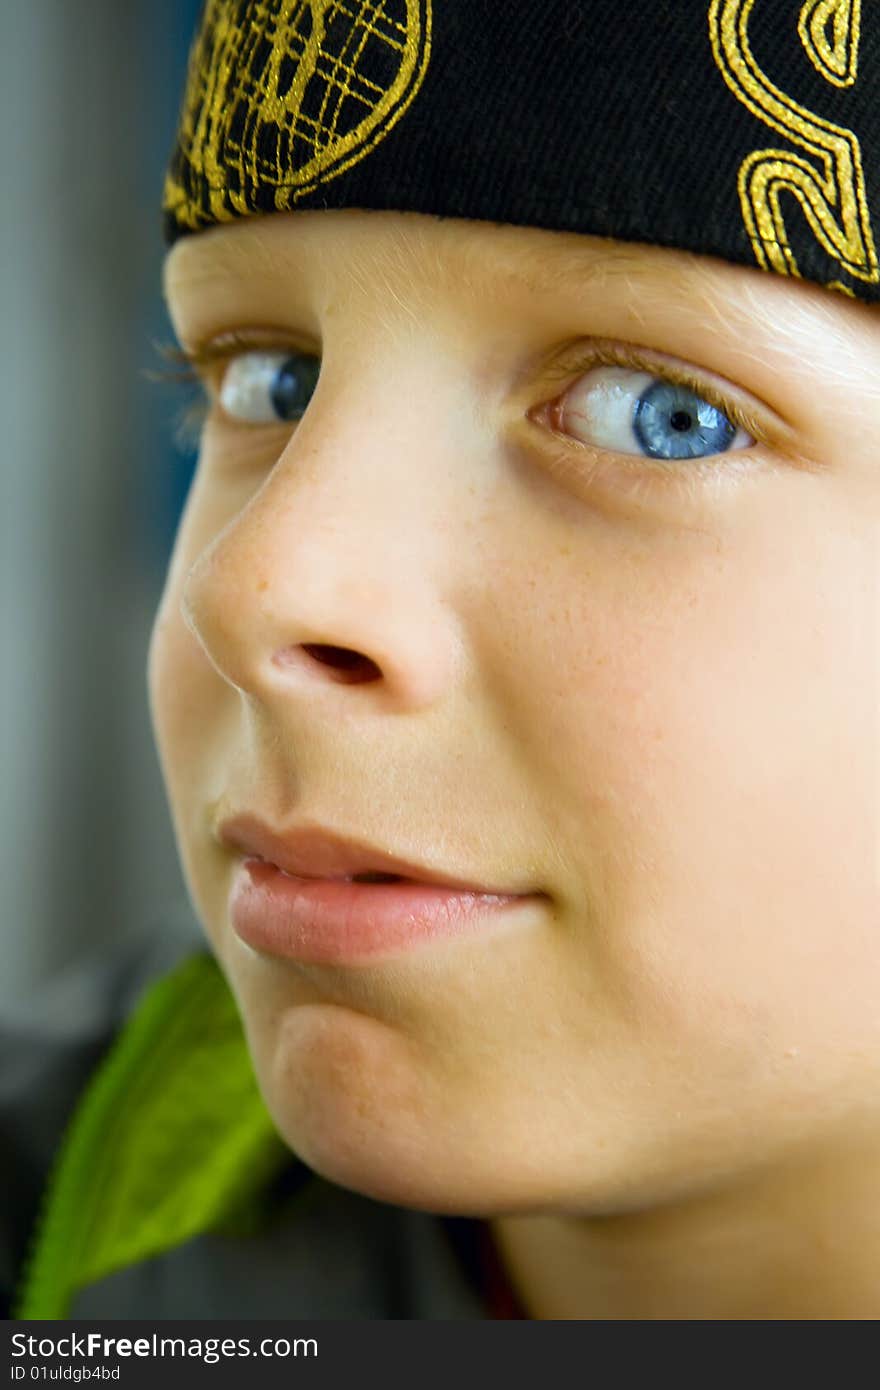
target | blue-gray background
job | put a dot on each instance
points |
(91, 482)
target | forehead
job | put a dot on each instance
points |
(297, 261)
(350, 242)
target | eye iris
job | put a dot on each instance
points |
(673, 422)
(292, 387)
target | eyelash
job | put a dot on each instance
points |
(190, 368)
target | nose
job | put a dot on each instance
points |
(334, 572)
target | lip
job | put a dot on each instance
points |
(292, 895)
(321, 921)
(310, 851)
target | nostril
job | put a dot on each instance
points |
(342, 657)
(349, 665)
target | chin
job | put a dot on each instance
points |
(353, 1099)
(348, 1096)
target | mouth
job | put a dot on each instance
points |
(379, 878)
(367, 876)
(311, 851)
(355, 918)
(310, 895)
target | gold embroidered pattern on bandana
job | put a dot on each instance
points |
(832, 195)
(837, 60)
(277, 96)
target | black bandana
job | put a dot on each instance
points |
(745, 129)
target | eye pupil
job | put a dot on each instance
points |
(680, 420)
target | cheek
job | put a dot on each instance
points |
(192, 710)
(712, 774)
(183, 687)
(192, 727)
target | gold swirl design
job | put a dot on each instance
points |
(832, 195)
(278, 96)
(837, 60)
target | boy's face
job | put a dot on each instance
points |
(646, 690)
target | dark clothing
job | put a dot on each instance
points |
(318, 1250)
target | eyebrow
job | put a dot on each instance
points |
(677, 282)
(227, 257)
(598, 267)
(564, 269)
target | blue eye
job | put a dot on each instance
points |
(634, 412)
(673, 422)
(265, 387)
